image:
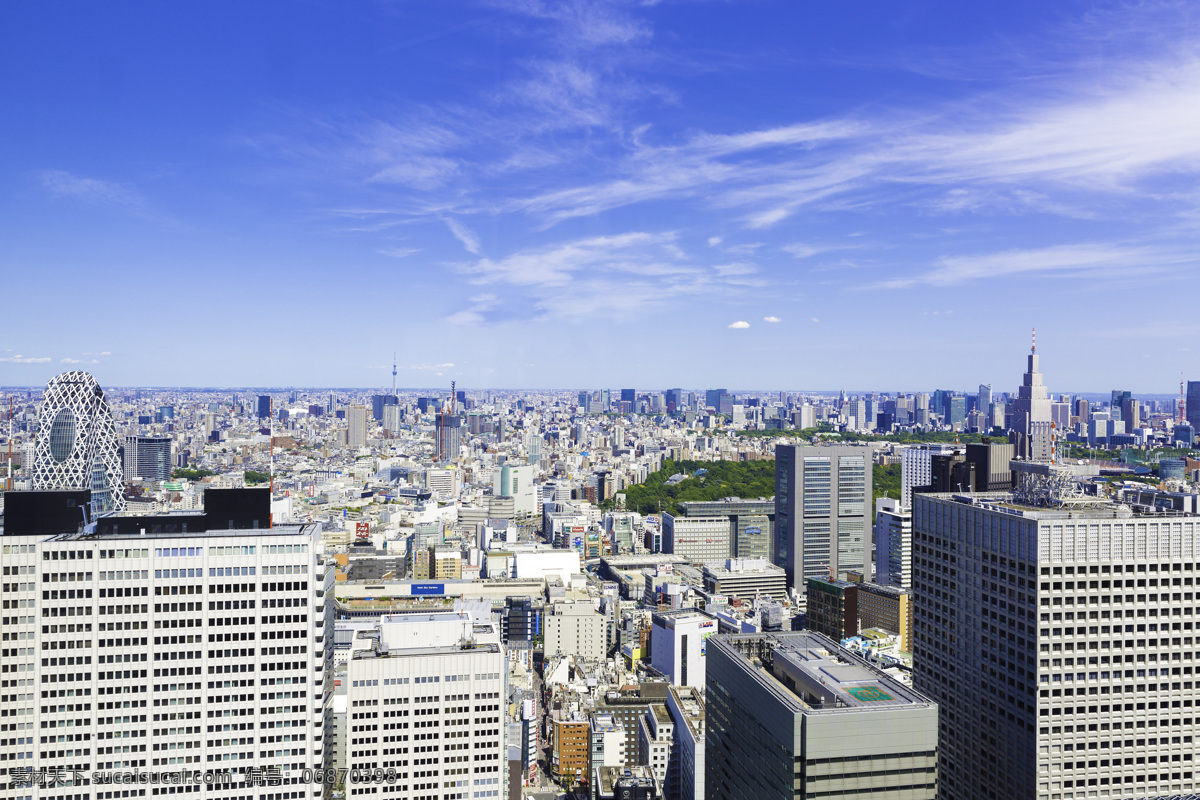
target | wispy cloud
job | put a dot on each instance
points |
(432, 367)
(465, 235)
(476, 313)
(772, 319)
(104, 353)
(1041, 147)
(1061, 260)
(78, 361)
(616, 276)
(109, 194)
(398, 252)
(739, 325)
(20, 359)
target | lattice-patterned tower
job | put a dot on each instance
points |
(76, 443)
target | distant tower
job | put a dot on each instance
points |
(76, 443)
(393, 373)
(1032, 413)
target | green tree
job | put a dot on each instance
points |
(253, 477)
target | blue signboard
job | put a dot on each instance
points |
(427, 588)
(578, 542)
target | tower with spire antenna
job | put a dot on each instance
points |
(393, 373)
(1032, 417)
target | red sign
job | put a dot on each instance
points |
(362, 529)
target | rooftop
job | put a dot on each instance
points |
(811, 673)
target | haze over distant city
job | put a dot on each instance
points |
(769, 195)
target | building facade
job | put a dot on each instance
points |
(704, 540)
(76, 442)
(794, 715)
(821, 510)
(148, 458)
(1072, 631)
(165, 643)
(426, 697)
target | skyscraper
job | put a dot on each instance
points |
(1032, 415)
(356, 426)
(821, 513)
(380, 402)
(264, 406)
(148, 458)
(794, 715)
(198, 647)
(628, 395)
(448, 429)
(448, 670)
(76, 443)
(984, 403)
(1192, 404)
(1059, 645)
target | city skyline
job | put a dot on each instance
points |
(539, 195)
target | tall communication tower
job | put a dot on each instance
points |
(393, 373)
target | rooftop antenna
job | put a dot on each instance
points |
(1033, 349)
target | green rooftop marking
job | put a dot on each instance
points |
(869, 694)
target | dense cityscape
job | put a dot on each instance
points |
(571, 562)
(599, 400)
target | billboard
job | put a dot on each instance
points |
(362, 530)
(427, 588)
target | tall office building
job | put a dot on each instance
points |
(188, 643)
(794, 715)
(821, 510)
(628, 395)
(264, 406)
(356, 426)
(431, 692)
(379, 402)
(448, 432)
(148, 458)
(712, 399)
(1059, 644)
(1192, 404)
(76, 442)
(984, 402)
(916, 467)
(893, 543)
(674, 400)
(1032, 415)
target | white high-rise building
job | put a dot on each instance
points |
(893, 543)
(157, 645)
(1074, 627)
(916, 467)
(425, 702)
(356, 426)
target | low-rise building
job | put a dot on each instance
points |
(746, 579)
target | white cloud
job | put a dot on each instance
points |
(1094, 258)
(814, 319)
(431, 367)
(1067, 147)
(772, 319)
(739, 325)
(60, 183)
(398, 252)
(105, 353)
(78, 361)
(20, 359)
(465, 235)
(713, 241)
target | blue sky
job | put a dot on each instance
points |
(751, 194)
